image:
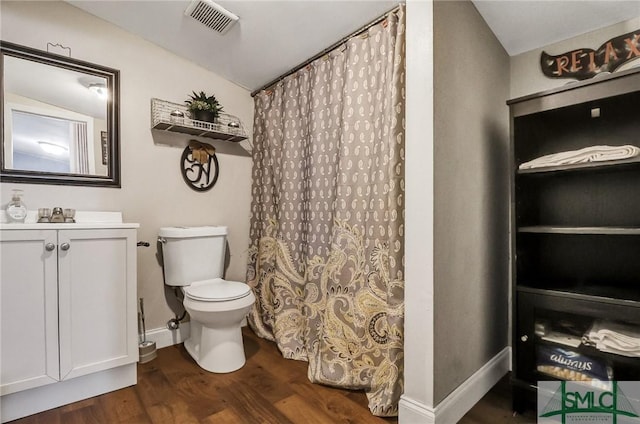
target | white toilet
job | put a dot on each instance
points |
(194, 260)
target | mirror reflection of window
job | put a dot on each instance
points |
(50, 144)
(42, 103)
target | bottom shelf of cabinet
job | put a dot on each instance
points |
(33, 401)
(575, 337)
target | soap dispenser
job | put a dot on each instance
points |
(16, 209)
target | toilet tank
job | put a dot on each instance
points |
(192, 254)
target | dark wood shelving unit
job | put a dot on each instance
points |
(575, 229)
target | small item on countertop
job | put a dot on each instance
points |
(16, 209)
(56, 216)
(43, 215)
(69, 215)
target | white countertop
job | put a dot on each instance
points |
(68, 226)
(85, 220)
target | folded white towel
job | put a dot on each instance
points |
(633, 354)
(615, 338)
(588, 154)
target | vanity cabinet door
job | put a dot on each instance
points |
(28, 310)
(98, 315)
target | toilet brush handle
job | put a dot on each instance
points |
(144, 331)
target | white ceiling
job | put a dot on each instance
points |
(270, 38)
(273, 37)
(523, 25)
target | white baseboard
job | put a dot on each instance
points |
(461, 400)
(411, 411)
(165, 337)
(32, 401)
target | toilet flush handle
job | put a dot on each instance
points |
(162, 240)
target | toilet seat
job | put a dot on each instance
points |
(217, 290)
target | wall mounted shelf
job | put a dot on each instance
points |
(223, 129)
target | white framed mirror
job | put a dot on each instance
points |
(60, 119)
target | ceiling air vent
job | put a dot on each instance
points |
(212, 15)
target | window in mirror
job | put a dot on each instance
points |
(60, 119)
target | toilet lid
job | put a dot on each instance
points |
(217, 290)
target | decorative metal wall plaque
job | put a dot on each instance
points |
(586, 63)
(199, 166)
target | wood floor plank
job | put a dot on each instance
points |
(78, 405)
(174, 411)
(495, 407)
(122, 405)
(246, 402)
(155, 388)
(338, 406)
(47, 417)
(269, 385)
(225, 417)
(93, 414)
(301, 412)
(203, 394)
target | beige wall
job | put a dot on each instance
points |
(471, 80)
(526, 75)
(153, 192)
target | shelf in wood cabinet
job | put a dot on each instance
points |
(593, 293)
(550, 229)
(593, 352)
(581, 166)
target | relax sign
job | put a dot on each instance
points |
(586, 63)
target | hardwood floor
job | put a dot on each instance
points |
(495, 408)
(173, 389)
(268, 389)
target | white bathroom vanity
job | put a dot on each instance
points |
(68, 316)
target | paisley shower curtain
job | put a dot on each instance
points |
(326, 254)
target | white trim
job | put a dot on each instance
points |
(419, 305)
(43, 398)
(466, 395)
(412, 411)
(165, 337)
(462, 399)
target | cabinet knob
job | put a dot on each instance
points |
(524, 338)
(65, 246)
(49, 247)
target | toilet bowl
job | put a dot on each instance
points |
(216, 337)
(194, 260)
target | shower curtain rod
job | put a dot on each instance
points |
(327, 50)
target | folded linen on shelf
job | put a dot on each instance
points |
(588, 154)
(616, 338)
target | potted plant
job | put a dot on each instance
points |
(203, 107)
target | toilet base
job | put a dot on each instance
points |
(222, 349)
